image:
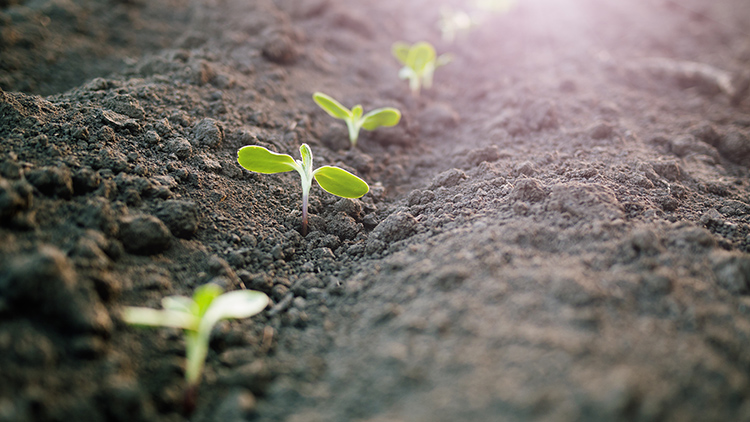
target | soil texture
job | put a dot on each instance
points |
(557, 230)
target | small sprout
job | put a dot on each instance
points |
(420, 62)
(454, 22)
(197, 316)
(386, 116)
(333, 180)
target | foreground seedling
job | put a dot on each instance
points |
(197, 316)
(420, 61)
(355, 120)
(333, 180)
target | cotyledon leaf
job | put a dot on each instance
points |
(385, 117)
(420, 55)
(236, 304)
(340, 182)
(159, 318)
(331, 106)
(259, 159)
(400, 50)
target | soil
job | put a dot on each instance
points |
(557, 230)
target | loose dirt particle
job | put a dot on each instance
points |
(180, 147)
(530, 190)
(732, 271)
(207, 133)
(45, 283)
(52, 181)
(180, 216)
(144, 234)
(397, 226)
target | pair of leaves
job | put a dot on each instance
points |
(417, 57)
(420, 61)
(355, 120)
(334, 180)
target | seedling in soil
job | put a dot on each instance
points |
(332, 179)
(197, 316)
(454, 22)
(355, 120)
(420, 61)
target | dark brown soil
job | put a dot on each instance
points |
(558, 230)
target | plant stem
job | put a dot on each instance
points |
(304, 214)
(304, 167)
(353, 132)
(196, 345)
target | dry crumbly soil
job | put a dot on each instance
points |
(558, 230)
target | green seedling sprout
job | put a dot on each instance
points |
(420, 62)
(355, 120)
(197, 316)
(454, 22)
(334, 180)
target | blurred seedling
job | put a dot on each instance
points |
(334, 180)
(197, 316)
(420, 61)
(453, 23)
(355, 120)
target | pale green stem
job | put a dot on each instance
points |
(354, 128)
(196, 347)
(415, 84)
(306, 176)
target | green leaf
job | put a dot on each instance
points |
(307, 157)
(400, 50)
(258, 159)
(420, 55)
(386, 117)
(331, 106)
(340, 182)
(236, 304)
(179, 304)
(159, 318)
(357, 112)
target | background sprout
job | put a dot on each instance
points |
(420, 62)
(454, 22)
(386, 116)
(334, 180)
(197, 316)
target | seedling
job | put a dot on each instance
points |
(197, 316)
(386, 116)
(333, 180)
(420, 62)
(454, 22)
